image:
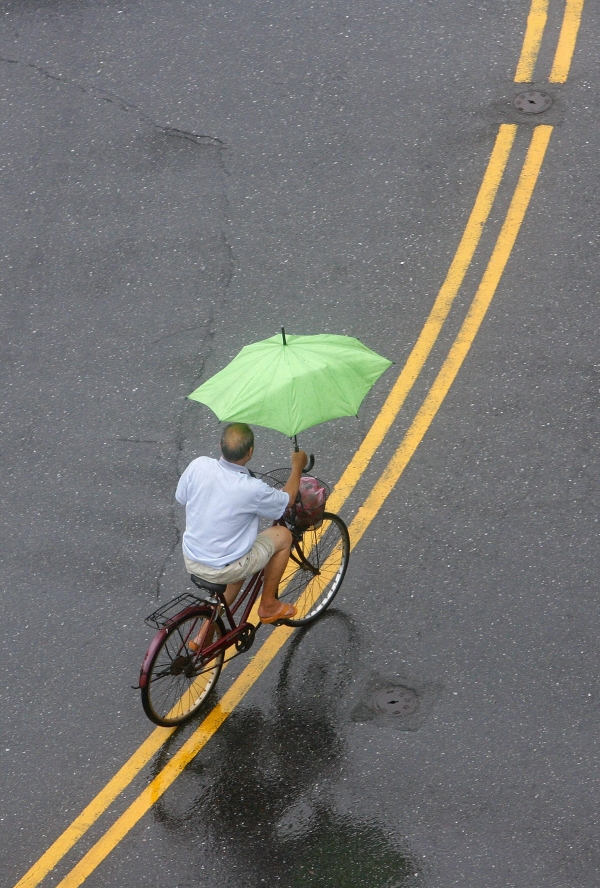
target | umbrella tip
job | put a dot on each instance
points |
(283, 336)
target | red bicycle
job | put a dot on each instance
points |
(175, 681)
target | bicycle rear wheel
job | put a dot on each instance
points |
(316, 569)
(174, 684)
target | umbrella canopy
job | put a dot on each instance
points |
(291, 383)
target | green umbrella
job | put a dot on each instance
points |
(291, 383)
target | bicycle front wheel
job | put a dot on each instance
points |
(175, 684)
(316, 568)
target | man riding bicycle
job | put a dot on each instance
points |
(224, 505)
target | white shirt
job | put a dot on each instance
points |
(223, 505)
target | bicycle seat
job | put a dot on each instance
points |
(213, 588)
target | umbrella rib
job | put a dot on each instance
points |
(296, 386)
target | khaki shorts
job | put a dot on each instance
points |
(261, 552)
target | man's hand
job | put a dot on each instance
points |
(299, 460)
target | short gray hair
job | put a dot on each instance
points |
(236, 441)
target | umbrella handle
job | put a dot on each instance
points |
(311, 459)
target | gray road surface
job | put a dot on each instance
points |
(178, 180)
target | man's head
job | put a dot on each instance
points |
(237, 442)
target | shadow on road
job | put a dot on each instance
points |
(262, 797)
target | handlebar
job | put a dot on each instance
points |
(309, 464)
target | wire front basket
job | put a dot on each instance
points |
(278, 477)
(299, 515)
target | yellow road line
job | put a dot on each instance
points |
(188, 751)
(348, 481)
(364, 517)
(179, 761)
(96, 807)
(387, 415)
(466, 335)
(113, 789)
(536, 22)
(433, 324)
(566, 41)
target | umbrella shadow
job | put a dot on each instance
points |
(261, 797)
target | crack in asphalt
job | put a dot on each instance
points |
(228, 265)
(130, 108)
(179, 441)
(175, 132)
(178, 332)
(113, 99)
(138, 440)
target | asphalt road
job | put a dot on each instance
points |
(179, 180)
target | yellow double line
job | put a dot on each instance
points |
(536, 22)
(514, 217)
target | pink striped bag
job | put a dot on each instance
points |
(310, 504)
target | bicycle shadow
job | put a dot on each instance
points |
(260, 797)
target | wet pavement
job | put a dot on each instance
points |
(177, 181)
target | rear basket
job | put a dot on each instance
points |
(165, 614)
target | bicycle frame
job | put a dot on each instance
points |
(187, 654)
(249, 595)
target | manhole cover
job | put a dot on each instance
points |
(532, 102)
(395, 701)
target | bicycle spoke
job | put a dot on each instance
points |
(176, 687)
(313, 578)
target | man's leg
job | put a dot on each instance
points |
(231, 593)
(274, 570)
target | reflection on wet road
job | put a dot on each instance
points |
(132, 250)
(264, 796)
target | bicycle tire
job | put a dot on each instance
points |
(173, 686)
(327, 548)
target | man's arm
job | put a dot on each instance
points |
(299, 460)
(181, 492)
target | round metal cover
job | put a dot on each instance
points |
(532, 102)
(395, 701)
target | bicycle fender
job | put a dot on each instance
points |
(154, 645)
